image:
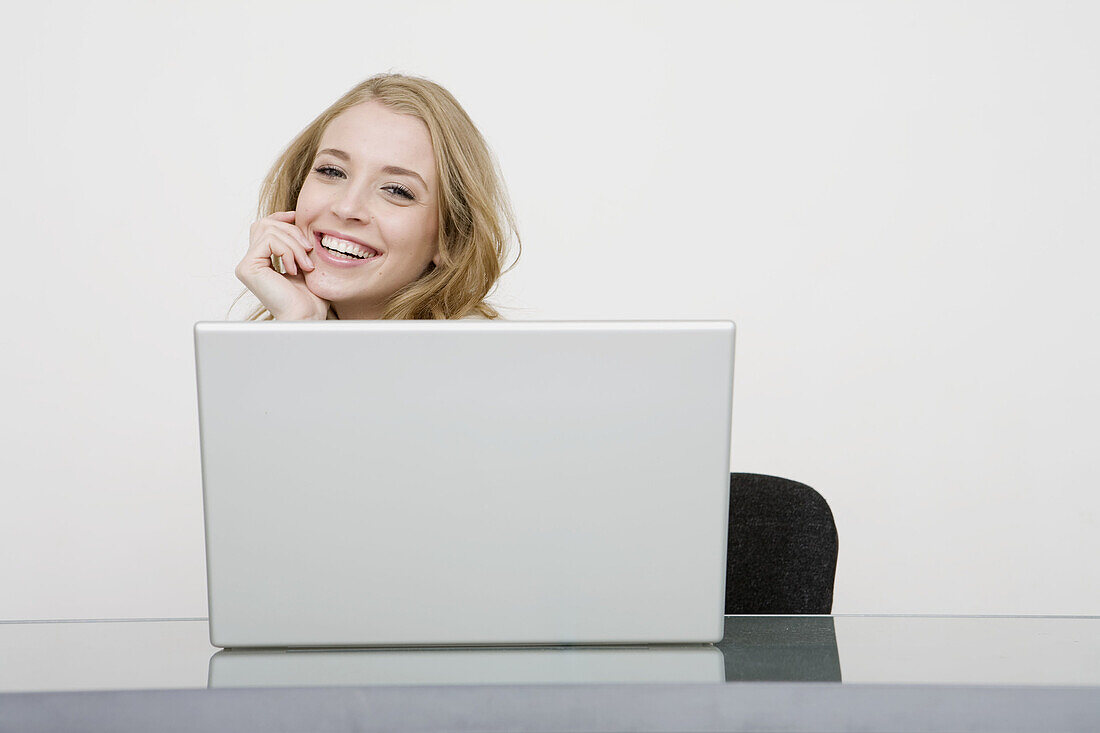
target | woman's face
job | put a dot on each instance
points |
(371, 184)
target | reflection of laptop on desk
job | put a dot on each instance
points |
(440, 482)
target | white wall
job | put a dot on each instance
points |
(895, 201)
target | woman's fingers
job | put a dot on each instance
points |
(262, 228)
(297, 247)
(284, 221)
(286, 254)
(299, 236)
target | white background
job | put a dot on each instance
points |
(895, 201)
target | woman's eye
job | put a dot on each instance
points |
(396, 189)
(399, 190)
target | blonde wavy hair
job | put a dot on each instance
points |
(476, 221)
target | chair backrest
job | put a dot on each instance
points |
(782, 548)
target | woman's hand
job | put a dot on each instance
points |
(286, 297)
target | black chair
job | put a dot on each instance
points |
(782, 547)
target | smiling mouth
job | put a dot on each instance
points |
(344, 249)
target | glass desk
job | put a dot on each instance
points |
(771, 672)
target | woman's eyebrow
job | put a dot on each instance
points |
(393, 170)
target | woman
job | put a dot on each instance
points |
(388, 205)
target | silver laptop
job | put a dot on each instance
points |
(381, 483)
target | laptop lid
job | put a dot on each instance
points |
(473, 482)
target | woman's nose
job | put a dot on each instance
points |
(352, 204)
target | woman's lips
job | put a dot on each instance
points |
(319, 235)
(336, 260)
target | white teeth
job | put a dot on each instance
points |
(346, 247)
